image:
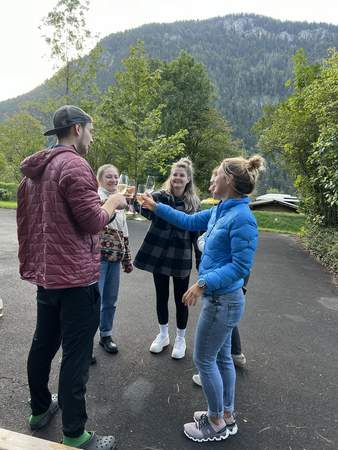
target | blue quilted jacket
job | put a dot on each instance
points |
(230, 241)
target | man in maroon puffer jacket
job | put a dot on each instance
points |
(59, 216)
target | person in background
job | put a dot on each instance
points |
(115, 251)
(59, 216)
(167, 252)
(236, 347)
(230, 245)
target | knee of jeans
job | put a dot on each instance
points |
(202, 364)
(224, 359)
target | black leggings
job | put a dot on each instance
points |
(236, 348)
(162, 296)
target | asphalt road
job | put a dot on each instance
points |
(287, 396)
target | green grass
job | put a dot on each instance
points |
(8, 205)
(280, 222)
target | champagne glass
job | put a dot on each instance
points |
(130, 195)
(150, 184)
(141, 189)
(123, 184)
(131, 187)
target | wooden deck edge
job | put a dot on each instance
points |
(10, 440)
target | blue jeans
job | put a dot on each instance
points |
(212, 354)
(109, 283)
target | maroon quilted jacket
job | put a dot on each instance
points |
(59, 217)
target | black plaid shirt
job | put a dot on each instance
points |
(167, 249)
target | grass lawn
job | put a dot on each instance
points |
(8, 205)
(280, 222)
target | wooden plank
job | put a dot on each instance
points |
(10, 440)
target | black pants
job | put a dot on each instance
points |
(162, 296)
(236, 348)
(67, 317)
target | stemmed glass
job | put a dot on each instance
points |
(123, 184)
(150, 184)
(141, 189)
(130, 195)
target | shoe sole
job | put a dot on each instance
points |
(164, 346)
(178, 357)
(232, 429)
(208, 439)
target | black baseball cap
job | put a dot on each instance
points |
(66, 117)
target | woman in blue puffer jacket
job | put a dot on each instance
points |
(230, 245)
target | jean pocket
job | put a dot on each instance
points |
(235, 312)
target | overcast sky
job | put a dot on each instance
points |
(24, 61)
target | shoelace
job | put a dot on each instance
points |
(203, 421)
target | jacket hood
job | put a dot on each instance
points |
(34, 165)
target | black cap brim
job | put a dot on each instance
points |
(55, 130)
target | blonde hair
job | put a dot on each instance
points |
(190, 198)
(244, 172)
(101, 170)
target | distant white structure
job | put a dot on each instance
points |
(276, 202)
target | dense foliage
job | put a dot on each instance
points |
(303, 132)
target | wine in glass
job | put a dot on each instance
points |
(150, 184)
(141, 189)
(131, 190)
(123, 184)
(131, 187)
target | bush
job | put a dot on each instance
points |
(10, 189)
(4, 194)
(323, 244)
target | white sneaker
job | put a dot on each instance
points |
(159, 343)
(197, 379)
(179, 348)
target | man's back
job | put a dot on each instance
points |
(59, 216)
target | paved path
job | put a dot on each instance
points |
(287, 396)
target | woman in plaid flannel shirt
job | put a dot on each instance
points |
(167, 252)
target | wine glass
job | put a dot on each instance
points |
(123, 184)
(150, 184)
(141, 189)
(130, 195)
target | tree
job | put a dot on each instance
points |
(129, 121)
(303, 131)
(188, 96)
(20, 136)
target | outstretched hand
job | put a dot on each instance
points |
(147, 202)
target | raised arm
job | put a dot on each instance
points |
(77, 183)
(191, 222)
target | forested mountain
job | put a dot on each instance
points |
(247, 56)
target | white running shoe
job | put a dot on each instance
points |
(179, 348)
(159, 343)
(197, 379)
